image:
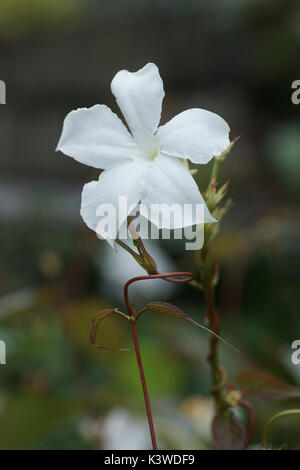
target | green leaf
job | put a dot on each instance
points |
(262, 386)
(97, 321)
(176, 312)
(229, 432)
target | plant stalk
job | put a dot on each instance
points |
(218, 374)
(140, 366)
(144, 385)
(212, 317)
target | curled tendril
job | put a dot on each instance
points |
(271, 420)
(171, 277)
(223, 379)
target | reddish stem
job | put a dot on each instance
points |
(144, 385)
(186, 277)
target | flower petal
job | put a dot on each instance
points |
(139, 96)
(168, 181)
(195, 134)
(124, 180)
(97, 137)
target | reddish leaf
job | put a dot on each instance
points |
(167, 308)
(97, 321)
(260, 385)
(229, 432)
(170, 309)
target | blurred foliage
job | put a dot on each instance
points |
(19, 17)
(283, 148)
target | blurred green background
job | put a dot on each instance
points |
(236, 58)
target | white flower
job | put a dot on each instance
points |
(144, 165)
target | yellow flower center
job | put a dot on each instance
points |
(154, 154)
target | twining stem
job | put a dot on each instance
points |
(140, 366)
(184, 277)
(144, 385)
(212, 317)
